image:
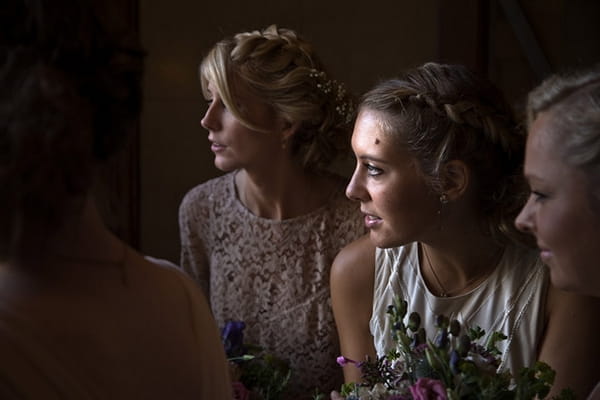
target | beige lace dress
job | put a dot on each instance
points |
(273, 275)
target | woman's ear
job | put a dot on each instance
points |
(455, 176)
(288, 130)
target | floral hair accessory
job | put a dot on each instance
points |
(454, 366)
(344, 105)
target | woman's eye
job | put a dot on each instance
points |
(373, 170)
(209, 102)
(538, 196)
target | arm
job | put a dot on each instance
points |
(194, 260)
(570, 344)
(352, 280)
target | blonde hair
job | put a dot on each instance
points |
(276, 65)
(573, 100)
(446, 112)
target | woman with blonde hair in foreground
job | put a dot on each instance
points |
(562, 166)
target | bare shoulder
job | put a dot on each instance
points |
(355, 262)
(572, 316)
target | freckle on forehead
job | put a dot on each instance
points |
(376, 141)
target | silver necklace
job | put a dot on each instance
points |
(470, 282)
(443, 292)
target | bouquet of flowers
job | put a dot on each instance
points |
(453, 366)
(256, 374)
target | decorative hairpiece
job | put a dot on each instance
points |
(344, 105)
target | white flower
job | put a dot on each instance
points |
(379, 391)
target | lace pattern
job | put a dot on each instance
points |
(274, 275)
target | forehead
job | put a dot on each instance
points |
(542, 143)
(371, 140)
(369, 130)
(544, 161)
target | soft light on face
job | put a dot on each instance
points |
(235, 145)
(559, 214)
(399, 208)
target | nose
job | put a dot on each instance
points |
(355, 189)
(525, 221)
(210, 121)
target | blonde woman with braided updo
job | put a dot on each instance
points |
(438, 177)
(260, 239)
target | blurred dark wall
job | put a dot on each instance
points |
(361, 42)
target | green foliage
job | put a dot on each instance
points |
(454, 361)
(265, 375)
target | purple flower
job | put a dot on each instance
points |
(428, 389)
(232, 336)
(454, 359)
(343, 361)
(240, 392)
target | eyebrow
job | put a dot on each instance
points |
(371, 158)
(529, 177)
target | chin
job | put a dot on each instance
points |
(563, 280)
(223, 166)
(383, 241)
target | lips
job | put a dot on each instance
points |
(216, 147)
(372, 221)
(545, 253)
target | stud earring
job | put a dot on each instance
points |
(443, 198)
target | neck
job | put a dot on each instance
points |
(78, 254)
(84, 239)
(281, 194)
(454, 269)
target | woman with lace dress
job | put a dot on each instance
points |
(83, 315)
(562, 163)
(260, 239)
(438, 177)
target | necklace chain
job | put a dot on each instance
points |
(443, 291)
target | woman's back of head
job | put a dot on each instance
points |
(447, 112)
(278, 66)
(91, 318)
(71, 90)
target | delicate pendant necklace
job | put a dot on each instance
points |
(469, 283)
(443, 292)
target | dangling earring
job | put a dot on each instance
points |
(443, 202)
(284, 145)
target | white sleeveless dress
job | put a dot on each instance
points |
(511, 300)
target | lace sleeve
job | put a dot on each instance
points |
(193, 255)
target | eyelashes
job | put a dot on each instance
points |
(538, 196)
(373, 170)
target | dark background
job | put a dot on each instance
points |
(516, 43)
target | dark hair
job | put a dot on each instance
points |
(447, 112)
(71, 88)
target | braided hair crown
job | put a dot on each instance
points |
(283, 70)
(442, 112)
